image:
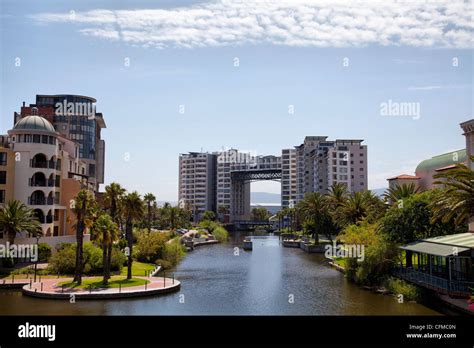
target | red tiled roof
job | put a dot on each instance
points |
(404, 177)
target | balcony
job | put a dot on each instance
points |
(45, 164)
(43, 183)
(42, 201)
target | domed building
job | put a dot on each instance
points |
(426, 170)
(46, 173)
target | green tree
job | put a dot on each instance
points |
(337, 195)
(105, 232)
(413, 219)
(314, 210)
(114, 194)
(208, 215)
(354, 210)
(83, 207)
(149, 199)
(399, 192)
(16, 217)
(259, 214)
(457, 198)
(133, 210)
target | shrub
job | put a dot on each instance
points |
(379, 254)
(220, 233)
(400, 287)
(44, 252)
(163, 263)
(64, 261)
(216, 229)
(173, 252)
(150, 246)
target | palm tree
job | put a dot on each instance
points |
(133, 210)
(457, 197)
(398, 192)
(83, 208)
(354, 209)
(149, 198)
(337, 195)
(105, 232)
(314, 211)
(113, 196)
(16, 217)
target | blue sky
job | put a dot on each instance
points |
(181, 55)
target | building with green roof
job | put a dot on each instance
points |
(444, 264)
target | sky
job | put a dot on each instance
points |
(252, 75)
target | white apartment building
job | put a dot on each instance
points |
(318, 163)
(197, 172)
(221, 181)
(288, 176)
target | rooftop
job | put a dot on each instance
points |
(34, 123)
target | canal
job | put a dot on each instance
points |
(220, 280)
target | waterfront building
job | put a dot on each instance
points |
(197, 182)
(444, 264)
(425, 171)
(44, 172)
(288, 176)
(75, 118)
(310, 167)
(321, 163)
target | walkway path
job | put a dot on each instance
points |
(49, 288)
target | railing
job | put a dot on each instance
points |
(42, 183)
(437, 283)
(42, 201)
(45, 164)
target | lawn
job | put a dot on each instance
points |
(138, 269)
(96, 282)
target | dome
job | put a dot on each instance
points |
(442, 161)
(34, 123)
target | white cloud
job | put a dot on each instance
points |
(316, 23)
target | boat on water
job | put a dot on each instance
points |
(248, 245)
(291, 243)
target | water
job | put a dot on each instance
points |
(259, 282)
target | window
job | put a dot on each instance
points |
(91, 169)
(2, 196)
(3, 177)
(36, 138)
(44, 139)
(3, 158)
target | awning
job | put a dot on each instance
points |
(434, 248)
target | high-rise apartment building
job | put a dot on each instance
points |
(75, 118)
(310, 167)
(197, 177)
(319, 163)
(288, 177)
